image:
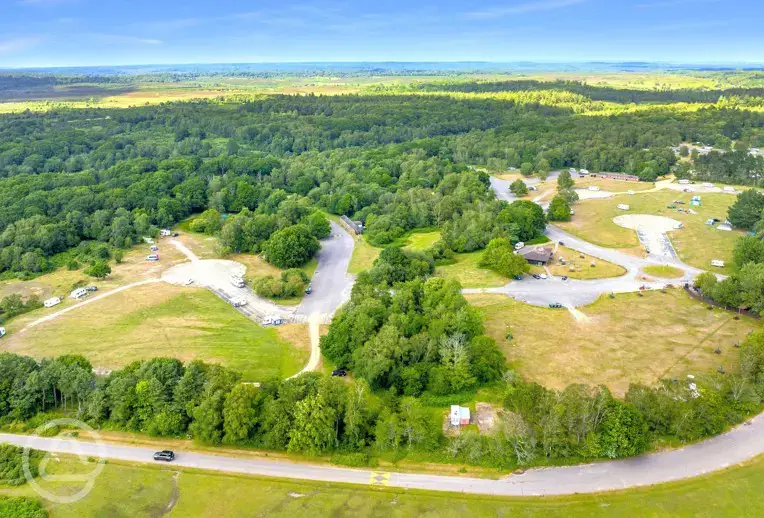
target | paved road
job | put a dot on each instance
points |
(331, 283)
(574, 292)
(736, 446)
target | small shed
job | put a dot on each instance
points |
(354, 226)
(460, 415)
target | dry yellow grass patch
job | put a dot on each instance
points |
(625, 340)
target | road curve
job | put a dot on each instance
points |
(736, 446)
(574, 292)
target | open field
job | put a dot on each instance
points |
(149, 491)
(578, 267)
(163, 320)
(364, 255)
(628, 339)
(465, 269)
(665, 271)
(422, 240)
(697, 243)
(615, 186)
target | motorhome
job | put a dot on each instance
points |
(78, 293)
(53, 301)
(236, 281)
(152, 257)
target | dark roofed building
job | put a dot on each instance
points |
(540, 255)
(354, 226)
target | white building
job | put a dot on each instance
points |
(53, 301)
(459, 415)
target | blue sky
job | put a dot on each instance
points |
(116, 32)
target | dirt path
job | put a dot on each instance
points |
(85, 302)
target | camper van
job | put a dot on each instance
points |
(2, 332)
(717, 262)
(152, 257)
(684, 181)
(236, 281)
(594, 188)
(623, 206)
(53, 301)
(165, 232)
(272, 321)
(78, 293)
(240, 302)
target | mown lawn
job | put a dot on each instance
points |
(578, 267)
(422, 240)
(163, 320)
(665, 271)
(465, 269)
(697, 243)
(628, 339)
(150, 491)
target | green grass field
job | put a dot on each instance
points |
(422, 240)
(665, 271)
(124, 490)
(697, 243)
(465, 269)
(628, 339)
(163, 320)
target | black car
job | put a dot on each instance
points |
(165, 455)
(339, 372)
(309, 290)
(564, 277)
(518, 277)
(536, 276)
(555, 305)
(175, 234)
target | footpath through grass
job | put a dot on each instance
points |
(150, 491)
(163, 320)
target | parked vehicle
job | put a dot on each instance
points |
(237, 281)
(78, 293)
(555, 305)
(518, 277)
(2, 332)
(189, 281)
(339, 372)
(536, 276)
(152, 257)
(309, 290)
(91, 288)
(175, 234)
(165, 456)
(237, 303)
(154, 248)
(564, 277)
(272, 321)
(544, 276)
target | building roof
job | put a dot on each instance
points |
(539, 254)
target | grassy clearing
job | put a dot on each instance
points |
(615, 186)
(665, 271)
(579, 267)
(626, 339)
(697, 243)
(163, 320)
(147, 491)
(465, 269)
(364, 255)
(422, 240)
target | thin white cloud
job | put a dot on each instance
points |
(14, 45)
(121, 38)
(522, 8)
(681, 26)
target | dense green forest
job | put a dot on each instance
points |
(396, 162)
